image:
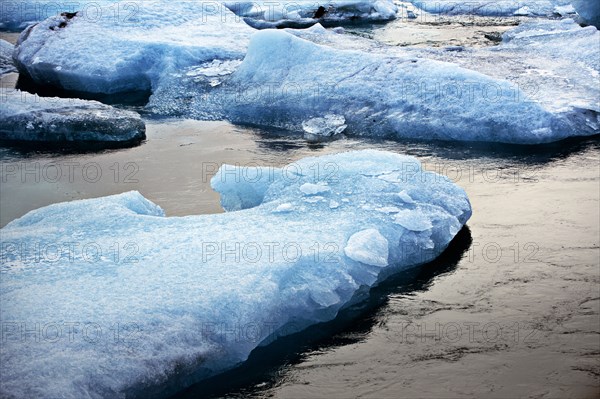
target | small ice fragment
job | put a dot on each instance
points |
(389, 209)
(405, 197)
(287, 207)
(368, 247)
(318, 129)
(314, 189)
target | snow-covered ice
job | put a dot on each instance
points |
(302, 13)
(491, 8)
(107, 297)
(28, 118)
(6, 61)
(136, 51)
(285, 80)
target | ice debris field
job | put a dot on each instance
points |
(179, 284)
(286, 79)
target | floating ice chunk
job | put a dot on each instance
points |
(523, 11)
(303, 13)
(564, 10)
(382, 96)
(6, 62)
(554, 62)
(314, 199)
(314, 189)
(189, 297)
(404, 196)
(368, 247)
(318, 129)
(213, 72)
(139, 54)
(334, 204)
(413, 220)
(26, 117)
(287, 207)
(589, 10)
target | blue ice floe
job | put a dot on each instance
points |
(107, 297)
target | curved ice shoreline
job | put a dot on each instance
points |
(189, 297)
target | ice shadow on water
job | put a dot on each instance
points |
(536, 154)
(265, 365)
(278, 140)
(27, 149)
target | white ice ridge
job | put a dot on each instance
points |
(27, 117)
(491, 7)
(107, 297)
(133, 50)
(285, 80)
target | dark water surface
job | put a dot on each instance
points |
(510, 310)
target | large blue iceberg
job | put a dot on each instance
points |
(107, 297)
(285, 81)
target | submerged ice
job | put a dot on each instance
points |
(127, 299)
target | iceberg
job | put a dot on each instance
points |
(589, 11)
(285, 80)
(25, 117)
(303, 13)
(490, 8)
(107, 297)
(6, 62)
(554, 62)
(133, 51)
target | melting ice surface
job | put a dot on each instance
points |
(183, 298)
(285, 80)
(491, 7)
(317, 129)
(134, 50)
